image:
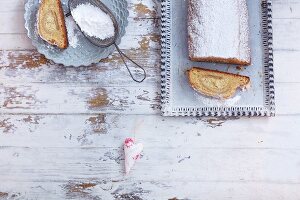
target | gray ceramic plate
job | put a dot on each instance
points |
(84, 53)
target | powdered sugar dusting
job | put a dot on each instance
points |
(93, 21)
(219, 28)
(211, 102)
(72, 35)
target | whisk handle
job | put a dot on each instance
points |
(68, 14)
(130, 73)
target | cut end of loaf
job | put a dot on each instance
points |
(216, 84)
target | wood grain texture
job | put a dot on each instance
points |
(82, 155)
(62, 128)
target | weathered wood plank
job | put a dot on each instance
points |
(260, 167)
(148, 25)
(126, 189)
(286, 9)
(286, 66)
(94, 98)
(75, 157)
(138, 9)
(13, 35)
(283, 39)
(89, 98)
(132, 39)
(14, 10)
(168, 164)
(145, 12)
(28, 67)
(12, 6)
(15, 42)
(108, 131)
(151, 8)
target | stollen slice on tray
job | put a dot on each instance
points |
(216, 84)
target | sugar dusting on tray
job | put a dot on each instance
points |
(93, 21)
(210, 102)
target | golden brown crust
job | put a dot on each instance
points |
(63, 26)
(220, 60)
(228, 83)
(54, 36)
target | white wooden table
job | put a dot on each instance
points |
(62, 128)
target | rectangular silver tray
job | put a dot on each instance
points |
(179, 99)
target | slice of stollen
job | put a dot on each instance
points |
(216, 84)
(51, 23)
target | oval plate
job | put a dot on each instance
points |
(85, 53)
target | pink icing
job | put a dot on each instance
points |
(129, 142)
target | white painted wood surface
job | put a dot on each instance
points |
(61, 129)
